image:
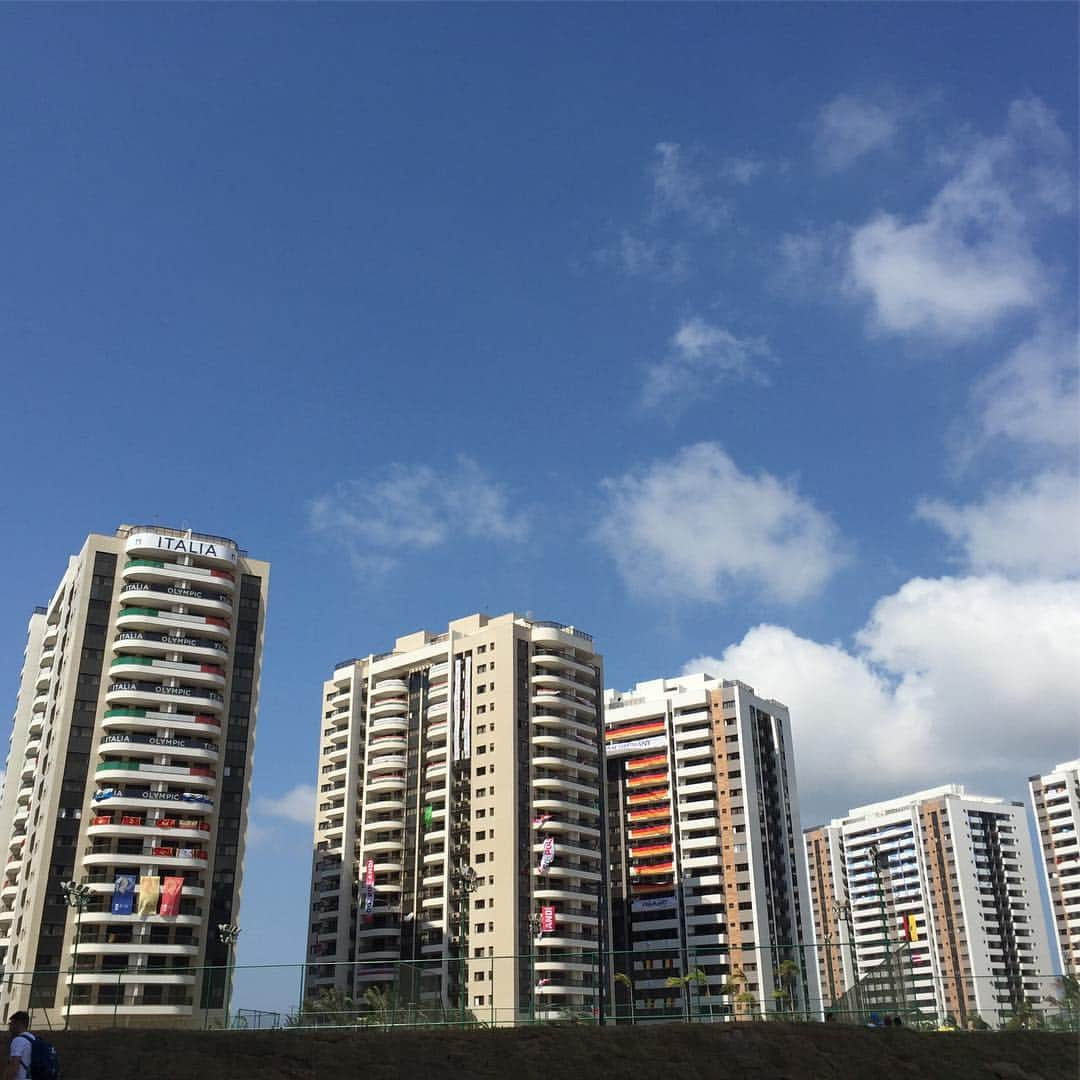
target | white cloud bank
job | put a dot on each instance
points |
(680, 188)
(414, 507)
(695, 527)
(969, 259)
(297, 804)
(700, 357)
(972, 680)
(1030, 529)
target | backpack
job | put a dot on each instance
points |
(44, 1061)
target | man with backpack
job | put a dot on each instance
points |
(31, 1057)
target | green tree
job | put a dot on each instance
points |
(788, 974)
(626, 981)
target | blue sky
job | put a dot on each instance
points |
(740, 336)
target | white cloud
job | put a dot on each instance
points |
(969, 260)
(849, 127)
(971, 680)
(1031, 529)
(297, 804)
(695, 527)
(678, 187)
(417, 507)
(741, 170)
(1032, 398)
(700, 357)
(634, 256)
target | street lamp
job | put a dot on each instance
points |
(77, 896)
(465, 881)
(842, 910)
(228, 933)
(534, 930)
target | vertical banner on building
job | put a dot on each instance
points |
(369, 873)
(547, 856)
(123, 896)
(911, 927)
(149, 891)
(429, 816)
(461, 709)
(170, 896)
(547, 919)
(369, 899)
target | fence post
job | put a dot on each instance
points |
(491, 987)
(116, 999)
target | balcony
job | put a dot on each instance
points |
(147, 642)
(150, 694)
(391, 707)
(165, 574)
(145, 667)
(398, 687)
(133, 617)
(151, 720)
(205, 602)
(549, 682)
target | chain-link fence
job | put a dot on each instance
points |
(550, 986)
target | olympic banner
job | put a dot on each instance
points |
(547, 919)
(369, 899)
(170, 896)
(548, 855)
(123, 894)
(369, 872)
(149, 891)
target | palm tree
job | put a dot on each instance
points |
(620, 977)
(747, 999)
(681, 981)
(699, 976)
(788, 972)
(731, 988)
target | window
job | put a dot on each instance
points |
(478, 999)
(481, 835)
(479, 905)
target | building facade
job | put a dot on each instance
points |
(129, 773)
(709, 904)
(929, 904)
(459, 806)
(1055, 799)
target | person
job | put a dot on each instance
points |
(18, 1066)
(897, 1022)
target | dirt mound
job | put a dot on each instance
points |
(743, 1051)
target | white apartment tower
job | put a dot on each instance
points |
(128, 773)
(931, 902)
(709, 904)
(459, 802)
(1055, 798)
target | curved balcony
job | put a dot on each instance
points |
(150, 831)
(189, 803)
(148, 643)
(215, 550)
(436, 732)
(561, 700)
(9, 891)
(140, 617)
(386, 726)
(43, 679)
(99, 917)
(438, 672)
(134, 948)
(203, 602)
(151, 746)
(106, 888)
(196, 776)
(577, 895)
(145, 667)
(437, 711)
(377, 846)
(548, 682)
(52, 632)
(148, 858)
(436, 771)
(383, 825)
(386, 782)
(564, 724)
(562, 784)
(570, 740)
(37, 723)
(386, 762)
(381, 743)
(556, 660)
(149, 694)
(165, 573)
(378, 805)
(551, 802)
(24, 795)
(565, 764)
(437, 693)
(567, 848)
(397, 687)
(389, 707)
(40, 702)
(150, 720)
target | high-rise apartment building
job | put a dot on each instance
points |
(1055, 798)
(128, 773)
(931, 903)
(709, 902)
(459, 805)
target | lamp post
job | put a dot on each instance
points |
(77, 896)
(534, 929)
(466, 881)
(228, 933)
(842, 910)
(829, 969)
(879, 860)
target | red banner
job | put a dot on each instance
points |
(131, 821)
(547, 919)
(170, 896)
(369, 872)
(104, 819)
(166, 823)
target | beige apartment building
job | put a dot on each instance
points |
(709, 903)
(128, 774)
(929, 903)
(1055, 799)
(460, 812)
